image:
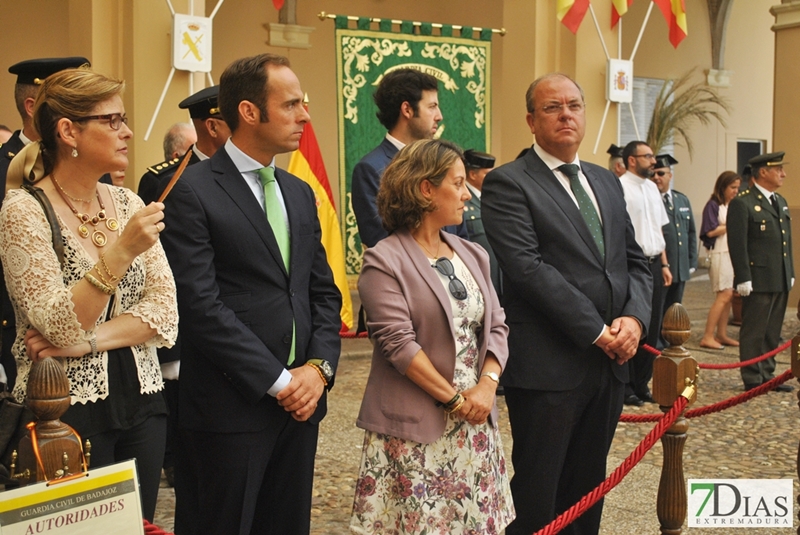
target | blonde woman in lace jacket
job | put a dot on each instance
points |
(113, 301)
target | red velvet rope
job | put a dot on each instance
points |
(716, 407)
(568, 516)
(731, 365)
(150, 529)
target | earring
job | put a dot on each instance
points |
(74, 152)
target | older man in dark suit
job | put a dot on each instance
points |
(259, 316)
(577, 295)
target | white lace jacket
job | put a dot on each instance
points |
(41, 295)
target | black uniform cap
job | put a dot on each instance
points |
(615, 151)
(770, 159)
(665, 160)
(34, 71)
(478, 160)
(203, 104)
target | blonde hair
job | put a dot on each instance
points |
(71, 94)
(400, 200)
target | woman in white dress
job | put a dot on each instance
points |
(432, 460)
(713, 233)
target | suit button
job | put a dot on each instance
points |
(287, 339)
(5, 323)
(291, 292)
(608, 274)
(680, 243)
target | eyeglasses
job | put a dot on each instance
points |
(115, 120)
(661, 173)
(456, 287)
(574, 107)
(645, 156)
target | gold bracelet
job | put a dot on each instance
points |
(105, 288)
(112, 278)
(100, 276)
(454, 408)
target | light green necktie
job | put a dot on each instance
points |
(276, 220)
(585, 205)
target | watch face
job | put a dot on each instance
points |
(327, 369)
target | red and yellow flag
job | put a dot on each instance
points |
(306, 163)
(618, 8)
(674, 12)
(571, 12)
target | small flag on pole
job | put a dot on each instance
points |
(674, 12)
(571, 12)
(306, 163)
(618, 8)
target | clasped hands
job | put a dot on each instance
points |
(621, 340)
(301, 395)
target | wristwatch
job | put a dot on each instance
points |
(493, 376)
(324, 368)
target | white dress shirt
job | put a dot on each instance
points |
(647, 212)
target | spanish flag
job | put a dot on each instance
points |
(571, 12)
(306, 163)
(618, 8)
(674, 12)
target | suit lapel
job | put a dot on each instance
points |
(231, 181)
(547, 179)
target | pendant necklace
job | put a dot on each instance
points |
(438, 246)
(99, 238)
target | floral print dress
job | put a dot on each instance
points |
(457, 484)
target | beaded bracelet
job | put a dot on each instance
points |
(105, 288)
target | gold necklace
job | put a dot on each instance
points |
(438, 246)
(87, 201)
(99, 238)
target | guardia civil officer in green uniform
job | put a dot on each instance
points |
(680, 233)
(212, 133)
(30, 75)
(760, 245)
(477, 164)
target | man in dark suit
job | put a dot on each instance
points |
(408, 106)
(576, 294)
(477, 165)
(760, 245)
(30, 75)
(259, 316)
(680, 233)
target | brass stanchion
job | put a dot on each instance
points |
(673, 371)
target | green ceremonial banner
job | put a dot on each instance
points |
(461, 64)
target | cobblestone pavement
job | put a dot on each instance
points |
(756, 440)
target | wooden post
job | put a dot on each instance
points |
(796, 374)
(673, 370)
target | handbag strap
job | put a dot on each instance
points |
(50, 214)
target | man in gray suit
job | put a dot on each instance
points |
(577, 295)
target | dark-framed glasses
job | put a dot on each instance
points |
(645, 156)
(115, 120)
(456, 287)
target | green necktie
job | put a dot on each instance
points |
(585, 205)
(279, 229)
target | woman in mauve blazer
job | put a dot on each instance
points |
(432, 452)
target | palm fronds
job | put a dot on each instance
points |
(679, 103)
